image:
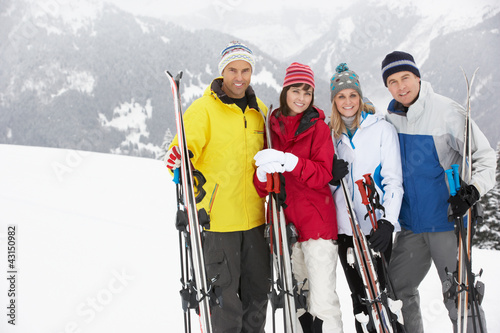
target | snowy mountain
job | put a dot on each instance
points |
(97, 249)
(89, 75)
(439, 46)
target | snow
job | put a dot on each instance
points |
(131, 117)
(265, 77)
(195, 87)
(75, 14)
(81, 81)
(294, 26)
(97, 250)
(347, 28)
(146, 28)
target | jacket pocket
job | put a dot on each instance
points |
(217, 268)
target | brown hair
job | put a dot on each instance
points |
(284, 109)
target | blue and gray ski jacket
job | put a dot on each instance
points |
(431, 137)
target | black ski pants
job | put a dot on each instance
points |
(240, 260)
(354, 279)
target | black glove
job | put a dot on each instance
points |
(463, 200)
(340, 168)
(382, 237)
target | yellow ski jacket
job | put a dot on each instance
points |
(224, 141)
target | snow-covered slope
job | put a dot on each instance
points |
(97, 248)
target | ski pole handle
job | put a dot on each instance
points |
(368, 183)
(456, 176)
(362, 191)
(276, 182)
(273, 183)
(269, 184)
(177, 173)
(451, 182)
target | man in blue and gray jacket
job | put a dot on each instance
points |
(431, 134)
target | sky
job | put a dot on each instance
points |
(97, 250)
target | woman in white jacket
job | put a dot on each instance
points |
(369, 145)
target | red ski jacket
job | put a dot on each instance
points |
(310, 205)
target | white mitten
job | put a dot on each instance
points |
(269, 155)
(270, 167)
(290, 161)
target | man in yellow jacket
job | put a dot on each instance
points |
(224, 131)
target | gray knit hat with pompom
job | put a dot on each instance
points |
(344, 79)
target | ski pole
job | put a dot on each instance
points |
(466, 286)
(370, 189)
(273, 183)
(177, 174)
(456, 176)
(451, 182)
(373, 196)
(364, 201)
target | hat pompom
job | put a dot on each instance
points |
(342, 68)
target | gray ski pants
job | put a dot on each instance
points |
(411, 260)
(241, 261)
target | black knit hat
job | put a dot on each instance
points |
(398, 61)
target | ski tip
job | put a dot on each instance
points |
(473, 73)
(178, 77)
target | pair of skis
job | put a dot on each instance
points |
(196, 293)
(382, 310)
(284, 293)
(468, 297)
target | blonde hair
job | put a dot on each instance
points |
(336, 122)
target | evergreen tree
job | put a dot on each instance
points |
(167, 139)
(488, 232)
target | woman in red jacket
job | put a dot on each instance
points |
(303, 151)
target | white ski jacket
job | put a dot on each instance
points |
(373, 149)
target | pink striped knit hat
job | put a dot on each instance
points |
(298, 73)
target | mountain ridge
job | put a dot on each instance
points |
(97, 82)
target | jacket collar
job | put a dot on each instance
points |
(399, 109)
(216, 91)
(366, 120)
(309, 118)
